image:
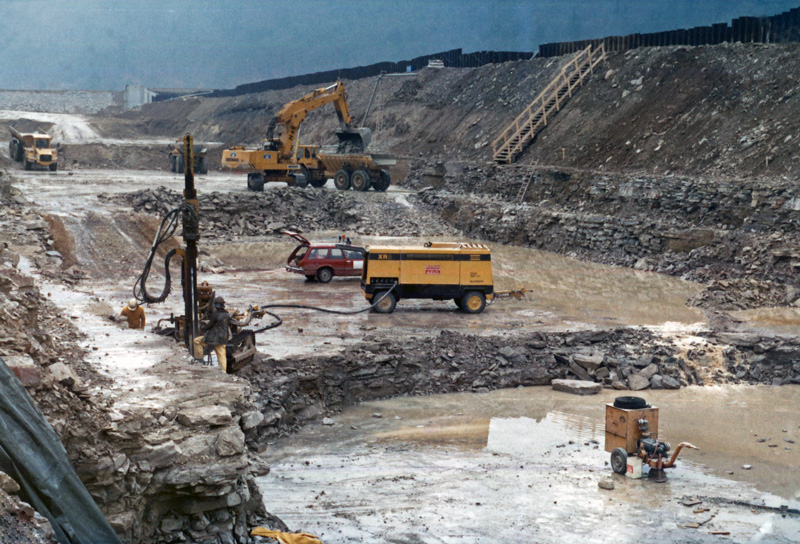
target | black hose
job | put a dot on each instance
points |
(169, 224)
(318, 309)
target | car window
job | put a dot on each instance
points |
(354, 255)
(337, 254)
(318, 254)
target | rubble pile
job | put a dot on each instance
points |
(18, 520)
(301, 210)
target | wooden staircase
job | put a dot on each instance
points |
(535, 117)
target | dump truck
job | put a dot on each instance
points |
(33, 149)
(282, 158)
(176, 160)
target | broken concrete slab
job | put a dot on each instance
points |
(577, 387)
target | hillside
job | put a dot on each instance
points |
(726, 110)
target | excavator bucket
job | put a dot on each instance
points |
(353, 140)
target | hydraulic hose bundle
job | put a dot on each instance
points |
(169, 224)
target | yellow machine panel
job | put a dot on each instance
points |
(439, 270)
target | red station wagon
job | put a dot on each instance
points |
(322, 261)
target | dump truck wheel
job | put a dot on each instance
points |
(255, 182)
(630, 403)
(171, 163)
(179, 164)
(202, 166)
(383, 182)
(387, 304)
(53, 167)
(27, 164)
(12, 150)
(473, 302)
(324, 275)
(300, 181)
(318, 183)
(341, 179)
(360, 180)
(619, 460)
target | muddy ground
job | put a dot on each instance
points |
(656, 262)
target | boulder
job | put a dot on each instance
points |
(577, 387)
(205, 415)
(671, 383)
(589, 361)
(230, 442)
(579, 371)
(637, 382)
(649, 371)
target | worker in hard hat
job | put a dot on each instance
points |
(134, 314)
(216, 334)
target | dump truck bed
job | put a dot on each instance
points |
(351, 161)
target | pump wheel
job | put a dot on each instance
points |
(630, 403)
(386, 304)
(324, 275)
(341, 179)
(619, 460)
(360, 180)
(473, 302)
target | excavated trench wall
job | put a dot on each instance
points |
(703, 230)
(291, 393)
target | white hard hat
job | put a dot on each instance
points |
(132, 304)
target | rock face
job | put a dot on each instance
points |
(577, 387)
(738, 236)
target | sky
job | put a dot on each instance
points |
(216, 44)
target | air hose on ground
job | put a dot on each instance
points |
(318, 309)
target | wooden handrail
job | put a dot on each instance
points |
(584, 60)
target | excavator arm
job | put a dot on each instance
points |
(291, 116)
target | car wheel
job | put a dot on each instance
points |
(387, 303)
(619, 460)
(341, 179)
(324, 275)
(473, 302)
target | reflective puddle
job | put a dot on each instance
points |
(524, 463)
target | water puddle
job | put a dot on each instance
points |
(523, 465)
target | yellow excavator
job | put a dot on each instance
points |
(282, 158)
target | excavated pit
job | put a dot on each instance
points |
(711, 223)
